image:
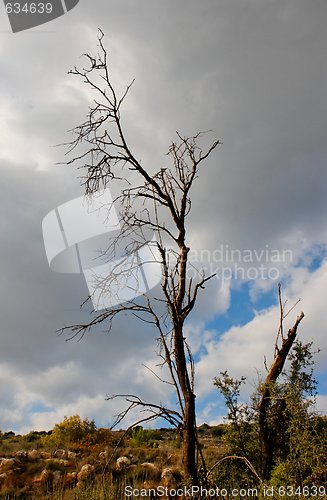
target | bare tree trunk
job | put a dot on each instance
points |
(265, 432)
(265, 437)
(189, 440)
(189, 416)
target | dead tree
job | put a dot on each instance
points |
(283, 345)
(156, 203)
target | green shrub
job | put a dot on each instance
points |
(72, 430)
(218, 431)
(142, 436)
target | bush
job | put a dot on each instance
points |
(104, 436)
(72, 430)
(32, 436)
(218, 431)
(142, 436)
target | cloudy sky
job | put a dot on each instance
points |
(254, 73)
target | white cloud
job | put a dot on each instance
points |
(321, 403)
(242, 350)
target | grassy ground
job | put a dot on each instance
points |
(40, 471)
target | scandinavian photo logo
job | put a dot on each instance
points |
(24, 15)
(77, 236)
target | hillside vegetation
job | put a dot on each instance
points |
(77, 460)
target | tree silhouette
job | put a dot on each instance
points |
(152, 207)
